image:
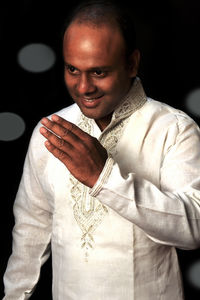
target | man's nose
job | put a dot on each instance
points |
(85, 85)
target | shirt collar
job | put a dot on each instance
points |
(133, 101)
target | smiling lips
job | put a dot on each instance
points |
(90, 100)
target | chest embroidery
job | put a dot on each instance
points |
(88, 211)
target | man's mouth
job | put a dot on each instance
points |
(91, 99)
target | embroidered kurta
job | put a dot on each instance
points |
(117, 240)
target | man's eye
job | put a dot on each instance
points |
(71, 69)
(99, 73)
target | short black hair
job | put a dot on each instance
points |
(98, 12)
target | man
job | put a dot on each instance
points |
(116, 187)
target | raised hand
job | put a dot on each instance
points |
(81, 153)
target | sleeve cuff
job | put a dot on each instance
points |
(102, 178)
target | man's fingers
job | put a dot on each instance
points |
(62, 156)
(53, 127)
(69, 126)
(64, 129)
(55, 140)
(81, 153)
(65, 124)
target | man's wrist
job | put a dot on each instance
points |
(103, 177)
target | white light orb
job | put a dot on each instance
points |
(192, 102)
(36, 58)
(194, 274)
(12, 126)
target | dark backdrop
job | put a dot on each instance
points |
(168, 34)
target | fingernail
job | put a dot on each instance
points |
(44, 121)
(55, 118)
(43, 130)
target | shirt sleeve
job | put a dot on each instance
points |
(31, 233)
(170, 212)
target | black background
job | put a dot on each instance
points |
(168, 37)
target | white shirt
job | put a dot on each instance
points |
(117, 240)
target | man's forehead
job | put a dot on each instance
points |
(87, 42)
(89, 31)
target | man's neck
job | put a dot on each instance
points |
(104, 122)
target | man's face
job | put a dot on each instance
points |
(96, 72)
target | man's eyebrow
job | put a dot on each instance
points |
(103, 68)
(68, 64)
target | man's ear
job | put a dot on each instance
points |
(133, 63)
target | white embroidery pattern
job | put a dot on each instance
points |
(135, 99)
(110, 140)
(88, 211)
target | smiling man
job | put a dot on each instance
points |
(116, 188)
(97, 74)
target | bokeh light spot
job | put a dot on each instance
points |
(12, 126)
(194, 274)
(36, 58)
(193, 102)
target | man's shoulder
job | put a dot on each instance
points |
(70, 113)
(158, 111)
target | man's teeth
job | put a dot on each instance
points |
(91, 100)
